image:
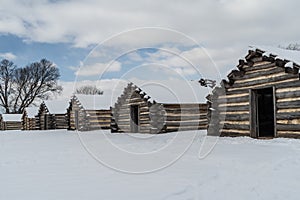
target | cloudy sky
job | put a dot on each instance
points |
(114, 39)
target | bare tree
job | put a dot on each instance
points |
(89, 90)
(36, 81)
(6, 75)
(294, 47)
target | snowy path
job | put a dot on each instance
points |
(54, 165)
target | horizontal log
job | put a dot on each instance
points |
(292, 104)
(184, 123)
(190, 112)
(233, 108)
(290, 94)
(263, 79)
(288, 84)
(235, 126)
(264, 83)
(288, 127)
(185, 106)
(233, 133)
(260, 72)
(237, 99)
(186, 128)
(234, 117)
(288, 115)
(182, 118)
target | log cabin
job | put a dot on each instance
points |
(11, 121)
(30, 118)
(89, 112)
(260, 99)
(52, 114)
(169, 108)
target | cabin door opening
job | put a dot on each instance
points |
(134, 115)
(76, 120)
(263, 106)
(45, 122)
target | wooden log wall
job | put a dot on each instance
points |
(156, 117)
(230, 109)
(99, 119)
(87, 119)
(59, 121)
(11, 125)
(28, 123)
(180, 117)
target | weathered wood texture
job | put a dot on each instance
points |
(154, 117)
(86, 120)
(229, 105)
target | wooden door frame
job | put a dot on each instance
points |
(76, 117)
(132, 123)
(254, 132)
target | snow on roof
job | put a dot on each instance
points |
(173, 91)
(57, 106)
(12, 117)
(94, 102)
(293, 56)
(32, 111)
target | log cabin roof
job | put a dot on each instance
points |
(94, 102)
(291, 56)
(12, 117)
(172, 91)
(57, 106)
(31, 112)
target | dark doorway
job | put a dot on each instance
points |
(134, 115)
(264, 117)
(46, 119)
(76, 119)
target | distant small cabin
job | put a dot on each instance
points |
(30, 118)
(165, 110)
(52, 114)
(11, 122)
(261, 98)
(89, 112)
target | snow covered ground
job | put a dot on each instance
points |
(61, 165)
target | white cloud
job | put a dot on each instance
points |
(8, 55)
(90, 22)
(96, 69)
(218, 24)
